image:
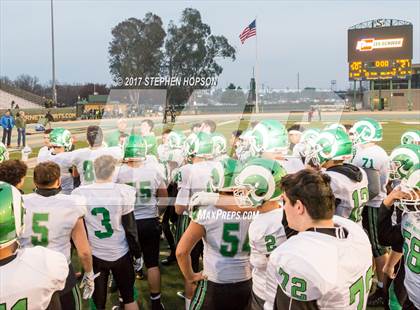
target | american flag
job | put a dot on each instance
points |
(248, 32)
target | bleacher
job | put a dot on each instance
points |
(24, 99)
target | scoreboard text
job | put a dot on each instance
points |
(379, 69)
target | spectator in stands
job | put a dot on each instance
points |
(21, 128)
(12, 104)
(319, 113)
(7, 122)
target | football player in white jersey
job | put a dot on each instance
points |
(328, 264)
(411, 137)
(219, 147)
(53, 220)
(405, 236)
(150, 187)
(112, 232)
(146, 131)
(30, 278)
(225, 282)
(194, 177)
(306, 143)
(208, 126)
(61, 143)
(83, 158)
(369, 155)
(270, 140)
(349, 183)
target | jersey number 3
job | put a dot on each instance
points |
(106, 223)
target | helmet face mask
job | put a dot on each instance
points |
(411, 186)
(411, 137)
(402, 159)
(176, 139)
(11, 215)
(219, 145)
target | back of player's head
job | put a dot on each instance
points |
(46, 174)
(167, 131)
(47, 131)
(104, 167)
(94, 135)
(12, 171)
(195, 127)
(149, 123)
(313, 190)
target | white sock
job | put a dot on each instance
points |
(187, 303)
(380, 284)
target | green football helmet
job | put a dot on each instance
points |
(219, 144)
(258, 181)
(402, 159)
(270, 136)
(223, 175)
(61, 137)
(176, 139)
(198, 145)
(366, 130)
(135, 148)
(11, 214)
(335, 126)
(331, 144)
(411, 185)
(4, 153)
(411, 137)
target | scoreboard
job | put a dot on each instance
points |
(379, 69)
(380, 49)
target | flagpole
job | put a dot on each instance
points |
(257, 109)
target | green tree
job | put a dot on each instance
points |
(135, 49)
(192, 51)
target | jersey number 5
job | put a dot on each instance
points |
(42, 231)
(411, 252)
(231, 248)
(106, 223)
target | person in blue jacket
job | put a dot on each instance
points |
(7, 122)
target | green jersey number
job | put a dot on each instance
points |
(270, 243)
(144, 191)
(41, 230)
(230, 241)
(88, 172)
(106, 223)
(367, 163)
(298, 288)
(411, 252)
(361, 287)
(360, 198)
(21, 304)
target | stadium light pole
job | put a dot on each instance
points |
(54, 91)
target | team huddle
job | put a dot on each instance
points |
(289, 219)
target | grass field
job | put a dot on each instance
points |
(172, 280)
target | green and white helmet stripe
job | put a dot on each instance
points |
(222, 175)
(366, 130)
(411, 137)
(270, 136)
(11, 214)
(219, 144)
(199, 145)
(61, 137)
(176, 139)
(4, 153)
(332, 144)
(335, 126)
(402, 159)
(258, 181)
(135, 148)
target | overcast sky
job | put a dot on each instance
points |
(309, 37)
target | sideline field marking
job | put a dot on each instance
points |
(411, 123)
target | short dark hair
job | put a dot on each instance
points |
(12, 171)
(296, 127)
(149, 122)
(46, 173)
(313, 189)
(94, 135)
(236, 133)
(47, 131)
(211, 124)
(347, 126)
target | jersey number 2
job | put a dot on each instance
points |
(106, 223)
